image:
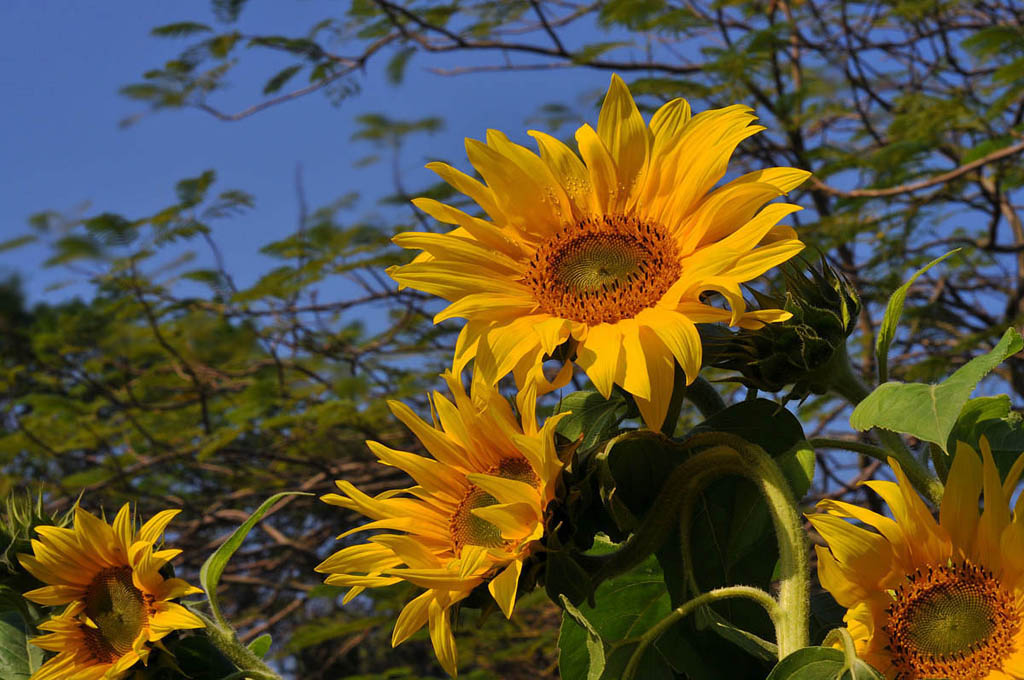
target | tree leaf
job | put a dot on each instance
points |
(929, 412)
(280, 78)
(893, 312)
(213, 567)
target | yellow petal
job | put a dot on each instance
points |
(442, 639)
(600, 356)
(503, 587)
(412, 618)
(603, 173)
(506, 490)
(170, 617)
(469, 186)
(679, 335)
(151, 530)
(515, 520)
(959, 512)
(624, 133)
(661, 368)
(570, 172)
(433, 476)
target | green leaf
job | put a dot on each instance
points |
(594, 647)
(592, 416)
(893, 312)
(18, 659)
(929, 412)
(17, 242)
(822, 663)
(282, 77)
(261, 645)
(179, 29)
(993, 419)
(627, 606)
(213, 567)
(396, 65)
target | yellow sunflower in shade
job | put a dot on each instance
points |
(926, 598)
(614, 251)
(117, 601)
(474, 515)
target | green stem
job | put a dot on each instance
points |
(716, 595)
(705, 397)
(848, 385)
(225, 639)
(876, 452)
(791, 623)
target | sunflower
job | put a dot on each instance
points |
(613, 253)
(473, 517)
(116, 599)
(929, 599)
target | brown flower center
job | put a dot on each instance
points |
(956, 622)
(603, 269)
(119, 611)
(468, 529)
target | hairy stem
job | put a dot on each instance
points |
(716, 595)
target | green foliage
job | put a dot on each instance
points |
(597, 642)
(930, 412)
(822, 663)
(891, 320)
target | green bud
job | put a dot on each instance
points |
(20, 516)
(797, 351)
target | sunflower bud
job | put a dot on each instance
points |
(20, 515)
(797, 351)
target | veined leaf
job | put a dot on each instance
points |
(929, 412)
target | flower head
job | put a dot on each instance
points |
(929, 599)
(611, 251)
(473, 517)
(108, 576)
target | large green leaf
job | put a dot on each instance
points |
(627, 606)
(822, 663)
(213, 567)
(18, 658)
(991, 418)
(929, 412)
(893, 312)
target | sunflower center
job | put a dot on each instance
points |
(468, 529)
(119, 611)
(603, 269)
(955, 622)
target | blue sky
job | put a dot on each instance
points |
(62, 147)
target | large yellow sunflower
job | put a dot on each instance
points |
(474, 516)
(117, 601)
(929, 599)
(614, 252)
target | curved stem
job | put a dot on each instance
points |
(705, 397)
(225, 639)
(675, 404)
(655, 631)
(876, 452)
(848, 385)
(735, 456)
